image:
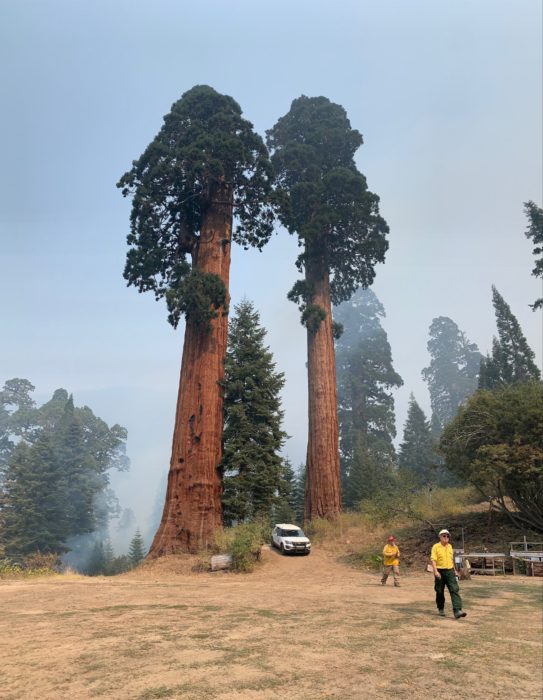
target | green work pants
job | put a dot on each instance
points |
(448, 579)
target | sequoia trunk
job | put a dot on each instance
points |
(193, 511)
(322, 490)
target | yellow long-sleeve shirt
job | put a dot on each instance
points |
(391, 555)
(443, 556)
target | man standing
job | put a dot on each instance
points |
(442, 558)
(391, 561)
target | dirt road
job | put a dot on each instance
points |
(299, 628)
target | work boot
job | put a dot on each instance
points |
(441, 613)
(459, 613)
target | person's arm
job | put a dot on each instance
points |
(397, 552)
(434, 565)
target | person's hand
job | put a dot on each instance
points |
(437, 574)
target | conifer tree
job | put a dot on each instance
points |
(512, 358)
(253, 437)
(136, 552)
(417, 456)
(56, 481)
(204, 164)
(326, 203)
(453, 371)
(366, 379)
(535, 232)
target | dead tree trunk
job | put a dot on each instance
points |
(193, 511)
(322, 490)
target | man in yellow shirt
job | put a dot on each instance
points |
(445, 574)
(391, 561)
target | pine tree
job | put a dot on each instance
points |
(326, 203)
(453, 371)
(253, 469)
(205, 162)
(417, 457)
(512, 359)
(136, 552)
(535, 232)
(298, 501)
(365, 379)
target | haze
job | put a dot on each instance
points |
(447, 95)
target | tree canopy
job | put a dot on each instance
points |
(496, 443)
(204, 143)
(325, 199)
(417, 458)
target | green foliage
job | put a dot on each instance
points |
(496, 443)
(453, 370)
(55, 483)
(244, 543)
(324, 199)
(535, 232)
(312, 317)
(253, 469)
(36, 564)
(136, 552)
(205, 157)
(198, 296)
(417, 457)
(365, 381)
(512, 358)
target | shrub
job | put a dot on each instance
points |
(243, 542)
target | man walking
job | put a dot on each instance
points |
(391, 561)
(442, 558)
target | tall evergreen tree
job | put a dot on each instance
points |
(326, 203)
(365, 379)
(453, 371)
(253, 436)
(56, 482)
(32, 508)
(535, 232)
(512, 358)
(417, 456)
(205, 163)
(367, 475)
(136, 552)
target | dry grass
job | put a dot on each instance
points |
(297, 628)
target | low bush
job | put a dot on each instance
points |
(36, 564)
(243, 542)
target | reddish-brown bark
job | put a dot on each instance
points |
(193, 511)
(323, 487)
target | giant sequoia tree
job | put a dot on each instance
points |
(366, 379)
(326, 203)
(205, 164)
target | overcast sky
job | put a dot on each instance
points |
(448, 97)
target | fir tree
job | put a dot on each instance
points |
(253, 469)
(453, 371)
(417, 457)
(284, 509)
(136, 552)
(512, 358)
(366, 379)
(325, 201)
(535, 232)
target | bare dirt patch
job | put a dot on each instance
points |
(297, 628)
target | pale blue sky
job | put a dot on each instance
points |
(448, 96)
